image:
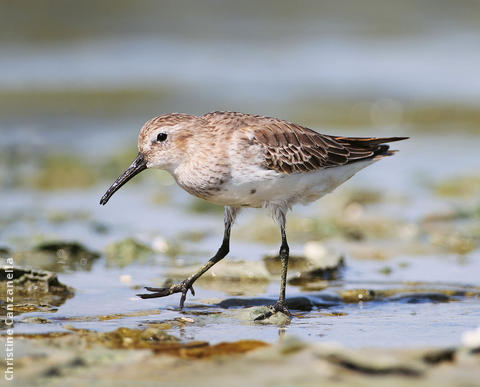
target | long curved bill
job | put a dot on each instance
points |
(137, 166)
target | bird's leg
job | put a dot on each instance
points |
(187, 284)
(284, 254)
(280, 305)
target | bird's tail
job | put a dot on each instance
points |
(375, 146)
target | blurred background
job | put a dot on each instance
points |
(84, 76)
(79, 78)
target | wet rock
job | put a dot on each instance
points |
(370, 362)
(58, 256)
(318, 255)
(295, 263)
(301, 303)
(453, 241)
(204, 350)
(317, 274)
(35, 320)
(245, 302)
(318, 264)
(315, 286)
(69, 250)
(357, 295)
(306, 277)
(250, 314)
(126, 252)
(5, 252)
(410, 295)
(417, 298)
(122, 338)
(417, 291)
(438, 356)
(152, 338)
(28, 286)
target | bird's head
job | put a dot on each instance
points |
(162, 143)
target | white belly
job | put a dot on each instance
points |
(255, 187)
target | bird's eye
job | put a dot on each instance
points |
(161, 137)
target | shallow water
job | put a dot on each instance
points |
(408, 322)
(86, 97)
(447, 305)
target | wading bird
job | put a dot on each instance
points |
(241, 160)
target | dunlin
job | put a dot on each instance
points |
(241, 160)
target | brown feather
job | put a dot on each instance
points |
(292, 148)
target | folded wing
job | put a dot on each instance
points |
(291, 148)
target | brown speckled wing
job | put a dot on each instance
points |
(291, 148)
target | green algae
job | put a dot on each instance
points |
(64, 172)
(118, 162)
(57, 171)
(425, 117)
(363, 196)
(343, 225)
(60, 217)
(201, 206)
(387, 270)
(54, 171)
(79, 101)
(459, 187)
(127, 251)
(295, 263)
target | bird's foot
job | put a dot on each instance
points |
(182, 287)
(277, 307)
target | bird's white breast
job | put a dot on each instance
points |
(253, 186)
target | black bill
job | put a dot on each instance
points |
(138, 165)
